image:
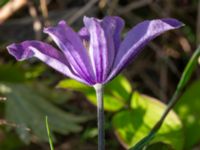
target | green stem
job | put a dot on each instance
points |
(100, 116)
(49, 134)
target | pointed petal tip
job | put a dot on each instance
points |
(18, 51)
(138, 37)
(47, 29)
(50, 28)
(173, 22)
(86, 19)
(11, 48)
(61, 22)
(89, 19)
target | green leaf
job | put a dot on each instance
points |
(90, 133)
(74, 85)
(116, 92)
(188, 109)
(26, 108)
(110, 102)
(58, 96)
(120, 88)
(134, 124)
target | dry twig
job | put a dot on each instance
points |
(10, 8)
(134, 5)
(37, 25)
(82, 11)
(44, 10)
(4, 122)
(3, 98)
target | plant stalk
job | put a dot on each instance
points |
(49, 134)
(100, 116)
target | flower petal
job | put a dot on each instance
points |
(70, 43)
(84, 34)
(137, 38)
(103, 36)
(116, 26)
(45, 53)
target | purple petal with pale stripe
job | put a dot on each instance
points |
(45, 53)
(115, 25)
(98, 49)
(137, 38)
(104, 39)
(95, 54)
(70, 43)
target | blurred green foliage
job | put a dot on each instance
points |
(29, 102)
(188, 108)
(10, 142)
(29, 109)
(11, 73)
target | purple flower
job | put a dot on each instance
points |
(96, 53)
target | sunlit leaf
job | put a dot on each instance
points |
(188, 109)
(110, 102)
(120, 87)
(74, 85)
(116, 93)
(134, 124)
(159, 146)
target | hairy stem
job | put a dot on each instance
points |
(100, 116)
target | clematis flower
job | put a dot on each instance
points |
(96, 54)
